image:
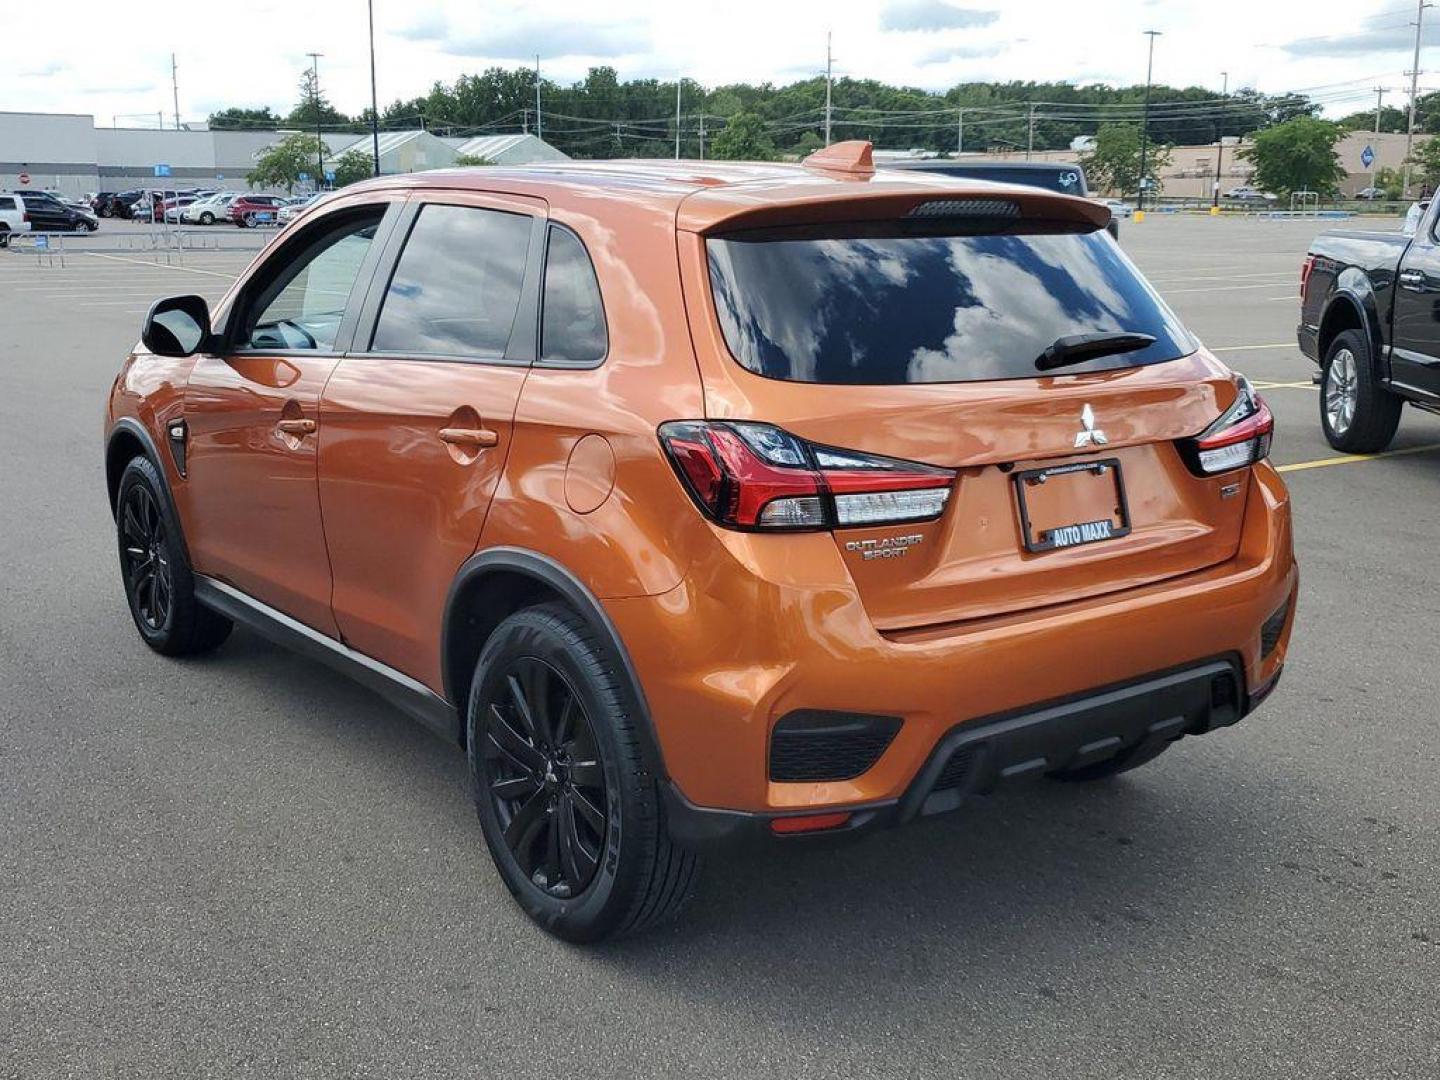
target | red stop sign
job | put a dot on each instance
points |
(24, 178)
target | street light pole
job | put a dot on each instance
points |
(539, 124)
(1220, 136)
(829, 62)
(374, 97)
(1145, 119)
(315, 100)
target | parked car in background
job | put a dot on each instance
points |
(1119, 208)
(1369, 194)
(101, 202)
(175, 207)
(120, 203)
(210, 209)
(294, 207)
(252, 211)
(13, 217)
(1367, 319)
(984, 508)
(1245, 193)
(1063, 177)
(49, 214)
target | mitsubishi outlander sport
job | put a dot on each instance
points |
(703, 502)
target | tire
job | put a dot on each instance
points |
(207, 218)
(4, 236)
(572, 817)
(159, 584)
(1133, 758)
(1357, 414)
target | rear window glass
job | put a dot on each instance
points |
(882, 305)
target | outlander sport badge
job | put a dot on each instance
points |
(1089, 434)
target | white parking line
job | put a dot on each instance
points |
(1232, 288)
(160, 266)
(1249, 348)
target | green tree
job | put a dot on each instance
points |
(282, 163)
(471, 159)
(807, 144)
(1390, 181)
(1426, 161)
(239, 118)
(1114, 163)
(1297, 155)
(353, 166)
(743, 138)
(1392, 119)
(313, 109)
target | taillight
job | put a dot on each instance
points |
(1306, 268)
(758, 476)
(1241, 436)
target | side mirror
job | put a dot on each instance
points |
(177, 326)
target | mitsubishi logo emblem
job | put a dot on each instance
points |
(1089, 434)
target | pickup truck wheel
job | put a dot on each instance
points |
(1357, 414)
(4, 235)
(572, 817)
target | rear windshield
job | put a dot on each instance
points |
(881, 305)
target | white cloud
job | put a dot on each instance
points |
(930, 43)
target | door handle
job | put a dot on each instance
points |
(469, 436)
(1412, 279)
(297, 427)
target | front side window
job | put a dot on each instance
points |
(303, 305)
(572, 327)
(456, 288)
(911, 303)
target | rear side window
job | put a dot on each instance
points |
(888, 304)
(7, 203)
(456, 288)
(572, 329)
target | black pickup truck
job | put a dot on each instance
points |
(1370, 317)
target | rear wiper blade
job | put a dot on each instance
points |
(1077, 348)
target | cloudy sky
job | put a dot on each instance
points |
(117, 65)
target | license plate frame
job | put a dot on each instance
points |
(1087, 532)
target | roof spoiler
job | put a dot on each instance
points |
(855, 156)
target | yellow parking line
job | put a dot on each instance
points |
(1356, 459)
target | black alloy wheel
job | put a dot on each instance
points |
(544, 777)
(148, 575)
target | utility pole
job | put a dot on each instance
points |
(319, 141)
(1380, 93)
(1220, 138)
(959, 132)
(702, 128)
(1145, 119)
(524, 121)
(539, 126)
(678, 84)
(829, 64)
(374, 96)
(1030, 133)
(175, 89)
(1414, 74)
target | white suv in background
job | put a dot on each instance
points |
(210, 209)
(13, 218)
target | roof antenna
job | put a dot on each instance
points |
(852, 156)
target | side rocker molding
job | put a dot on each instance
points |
(396, 687)
(554, 576)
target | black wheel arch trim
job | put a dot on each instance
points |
(1360, 299)
(128, 425)
(552, 574)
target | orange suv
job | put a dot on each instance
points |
(705, 502)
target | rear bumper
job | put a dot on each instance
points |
(1308, 338)
(769, 628)
(978, 756)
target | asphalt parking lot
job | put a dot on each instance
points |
(248, 866)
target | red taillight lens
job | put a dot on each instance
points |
(757, 476)
(1305, 270)
(1240, 438)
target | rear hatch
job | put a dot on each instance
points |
(914, 336)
